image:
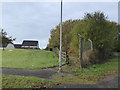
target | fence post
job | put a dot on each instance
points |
(91, 44)
(80, 50)
(67, 58)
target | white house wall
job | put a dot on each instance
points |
(30, 46)
(10, 46)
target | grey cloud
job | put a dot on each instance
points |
(35, 20)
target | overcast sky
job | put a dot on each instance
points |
(34, 20)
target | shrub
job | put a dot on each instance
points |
(90, 57)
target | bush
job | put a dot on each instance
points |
(90, 57)
(95, 57)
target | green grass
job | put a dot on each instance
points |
(98, 71)
(13, 81)
(91, 75)
(70, 79)
(0, 81)
(28, 59)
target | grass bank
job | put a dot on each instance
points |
(28, 59)
(13, 81)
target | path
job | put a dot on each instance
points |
(113, 83)
(24, 72)
(108, 82)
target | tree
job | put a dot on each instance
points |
(55, 37)
(96, 31)
(117, 40)
(96, 28)
(4, 39)
(67, 27)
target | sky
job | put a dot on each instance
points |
(34, 20)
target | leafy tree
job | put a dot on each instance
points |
(4, 39)
(94, 26)
(55, 36)
(100, 31)
(117, 40)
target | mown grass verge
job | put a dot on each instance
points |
(28, 59)
(13, 81)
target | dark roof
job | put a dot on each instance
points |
(29, 43)
(17, 45)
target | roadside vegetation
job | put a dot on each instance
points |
(100, 37)
(90, 75)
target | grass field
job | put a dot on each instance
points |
(28, 59)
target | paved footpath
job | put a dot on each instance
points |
(25, 72)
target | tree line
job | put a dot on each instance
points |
(95, 30)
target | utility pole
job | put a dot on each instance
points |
(60, 52)
(80, 50)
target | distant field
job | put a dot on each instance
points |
(28, 59)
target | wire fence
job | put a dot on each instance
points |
(86, 46)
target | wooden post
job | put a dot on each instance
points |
(67, 57)
(91, 44)
(80, 50)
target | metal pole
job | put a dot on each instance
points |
(60, 53)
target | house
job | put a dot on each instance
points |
(29, 44)
(10, 46)
(18, 46)
(7, 46)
